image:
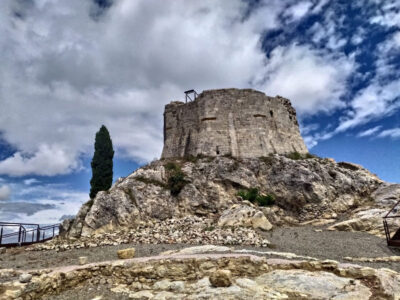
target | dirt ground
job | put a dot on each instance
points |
(299, 240)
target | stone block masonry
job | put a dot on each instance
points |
(236, 122)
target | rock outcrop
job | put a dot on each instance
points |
(244, 215)
(210, 276)
(369, 217)
(304, 189)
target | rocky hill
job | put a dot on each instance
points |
(304, 189)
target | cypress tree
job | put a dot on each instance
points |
(102, 163)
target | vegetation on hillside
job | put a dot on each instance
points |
(296, 155)
(176, 178)
(253, 195)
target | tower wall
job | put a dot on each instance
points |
(241, 123)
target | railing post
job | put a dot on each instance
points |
(38, 234)
(19, 234)
(1, 234)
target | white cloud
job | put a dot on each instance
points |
(64, 74)
(381, 97)
(47, 161)
(42, 204)
(388, 15)
(31, 181)
(374, 102)
(327, 32)
(310, 141)
(5, 192)
(312, 80)
(393, 133)
(298, 10)
(369, 132)
(306, 129)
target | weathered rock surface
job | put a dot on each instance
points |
(126, 253)
(368, 220)
(25, 278)
(221, 278)
(192, 277)
(315, 285)
(304, 189)
(244, 215)
(83, 260)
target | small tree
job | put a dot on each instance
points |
(102, 163)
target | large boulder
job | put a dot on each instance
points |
(368, 220)
(244, 215)
(315, 285)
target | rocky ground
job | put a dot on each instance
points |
(310, 241)
(194, 273)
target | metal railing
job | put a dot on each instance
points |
(19, 234)
(394, 240)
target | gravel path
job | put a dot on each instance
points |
(299, 240)
(332, 244)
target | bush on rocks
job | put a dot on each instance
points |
(176, 178)
(253, 195)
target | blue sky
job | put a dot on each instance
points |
(70, 66)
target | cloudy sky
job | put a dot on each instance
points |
(67, 67)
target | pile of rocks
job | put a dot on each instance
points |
(188, 230)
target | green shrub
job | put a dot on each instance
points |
(172, 166)
(265, 200)
(150, 181)
(209, 228)
(268, 160)
(176, 178)
(194, 159)
(176, 182)
(296, 155)
(253, 195)
(89, 203)
(309, 155)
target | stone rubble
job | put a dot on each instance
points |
(126, 253)
(25, 278)
(374, 259)
(83, 260)
(244, 215)
(188, 230)
(221, 278)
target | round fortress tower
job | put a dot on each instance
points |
(236, 122)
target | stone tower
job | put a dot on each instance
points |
(236, 122)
